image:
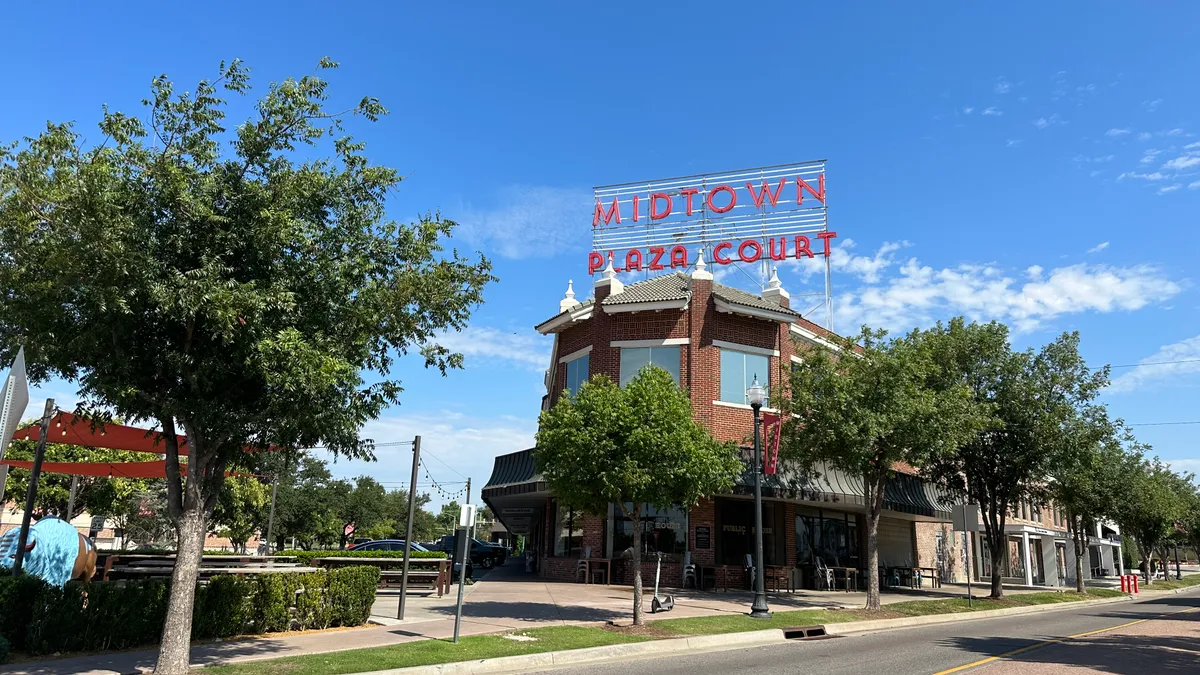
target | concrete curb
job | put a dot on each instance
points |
(853, 627)
(576, 657)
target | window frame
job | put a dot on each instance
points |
(674, 371)
(567, 373)
(748, 351)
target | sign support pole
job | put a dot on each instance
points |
(271, 515)
(412, 507)
(31, 494)
(71, 498)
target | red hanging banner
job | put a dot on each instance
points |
(773, 426)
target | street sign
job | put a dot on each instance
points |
(14, 398)
(965, 518)
(466, 516)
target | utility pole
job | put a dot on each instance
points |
(472, 532)
(412, 509)
(31, 493)
(271, 516)
(71, 499)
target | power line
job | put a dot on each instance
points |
(1161, 424)
(1152, 363)
(443, 463)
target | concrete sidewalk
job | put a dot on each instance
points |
(507, 598)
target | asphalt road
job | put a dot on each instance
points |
(1162, 644)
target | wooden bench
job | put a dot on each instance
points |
(430, 579)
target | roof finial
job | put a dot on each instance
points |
(609, 278)
(568, 300)
(774, 282)
(774, 291)
(609, 272)
(701, 271)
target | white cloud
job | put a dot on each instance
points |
(1145, 136)
(1003, 86)
(528, 221)
(1172, 132)
(480, 344)
(1169, 188)
(1098, 247)
(921, 294)
(868, 268)
(1012, 142)
(967, 110)
(1192, 146)
(1116, 132)
(1194, 186)
(1051, 121)
(1151, 106)
(468, 445)
(1184, 162)
(993, 111)
(1144, 176)
(1157, 369)
(1150, 155)
(1098, 160)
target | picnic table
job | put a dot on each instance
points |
(390, 570)
(203, 574)
(118, 565)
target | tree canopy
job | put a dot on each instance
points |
(631, 446)
(229, 281)
(868, 406)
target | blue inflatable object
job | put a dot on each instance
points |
(52, 551)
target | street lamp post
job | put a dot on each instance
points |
(759, 610)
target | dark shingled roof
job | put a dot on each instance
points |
(665, 288)
(735, 297)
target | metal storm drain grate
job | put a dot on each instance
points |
(805, 633)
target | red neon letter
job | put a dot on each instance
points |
(636, 199)
(595, 262)
(633, 260)
(782, 253)
(657, 253)
(612, 212)
(689, 193)
(717, 253)
(802, 247)
(757, 250)
(732, 199)
(654, 214)
(801, 186)
(759, 195)
(679, 257)
(825, 237)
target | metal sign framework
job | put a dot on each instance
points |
(703, 210)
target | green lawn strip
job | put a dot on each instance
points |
(957, 605)
(1172, 584)
(740, 623)
(428, 652)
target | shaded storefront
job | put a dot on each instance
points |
(810, 519)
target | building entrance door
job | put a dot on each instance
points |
(1035, 561)
(1060, 558)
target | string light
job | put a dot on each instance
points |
(445, 494)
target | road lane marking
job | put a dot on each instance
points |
(1044, 643)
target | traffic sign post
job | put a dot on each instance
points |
(466, 520)
(965, 518)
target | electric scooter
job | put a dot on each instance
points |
(666, 603)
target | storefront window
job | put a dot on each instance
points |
(568, 531)
(577, 374)
(662, 530)
(738, 370)
(832, 537)
(633, 359)
(735, 528)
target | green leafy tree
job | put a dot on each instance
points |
(1158, 502)
(1028, 399)
(424, 523)
(1087, 477)
(226, 282)
(631, 446)
(447, 518)
(305, 503)
(241, 510)
(99, 496)
(363, 505)
(867, 407)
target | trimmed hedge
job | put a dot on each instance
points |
(306, 557)
(42, 619)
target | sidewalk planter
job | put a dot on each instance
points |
(40, 619)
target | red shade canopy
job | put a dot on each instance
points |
(70, 429)
(106, 469)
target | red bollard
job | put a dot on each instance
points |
(1124, 583)
(1135, 584)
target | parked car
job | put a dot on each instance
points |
(483, 554)
(398, 545)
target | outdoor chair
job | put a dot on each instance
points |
(825, 580)
(689, 571)
(581, 567)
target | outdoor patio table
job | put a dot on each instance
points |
(851, 575)
(605, 562)
(442, 565)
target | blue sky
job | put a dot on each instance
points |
(1037, 165)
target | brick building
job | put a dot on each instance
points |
(714, 340)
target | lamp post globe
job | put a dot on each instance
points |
(757, 395)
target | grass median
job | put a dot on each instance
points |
(1173, 584)
(558, 638)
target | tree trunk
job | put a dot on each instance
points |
(175, 649)
(873, 514)
(636, 517)
(1080, 541)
